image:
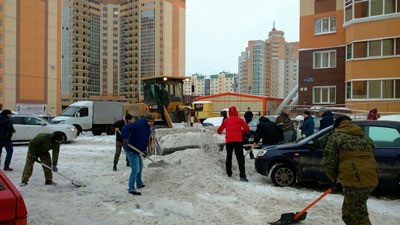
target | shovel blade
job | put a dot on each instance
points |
(78, 183)
(288, 218)
(160, 163)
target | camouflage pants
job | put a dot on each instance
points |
(354, 208)
(28, 169)
(118, 147)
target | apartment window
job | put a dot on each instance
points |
(373, 89)
(324, 95)
(359, 90)
(324, 59)
(325, 25)
(374, 48)
(356, 9)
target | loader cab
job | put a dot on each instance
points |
(163, 91)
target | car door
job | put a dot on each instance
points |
(387, 152)
(311, 156)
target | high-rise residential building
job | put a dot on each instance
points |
(291, 78)
(55, 52)
(349, 53)
(269, 68)
(30, 59)
(281, 61)
(111, 44)
(252, 68)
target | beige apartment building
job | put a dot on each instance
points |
(30, 63)
(128, 40)
(55, 52)
(270, 67)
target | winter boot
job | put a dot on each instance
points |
(244, 179)
(50, 182)
(115, 168)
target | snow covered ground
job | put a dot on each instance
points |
(192, 190)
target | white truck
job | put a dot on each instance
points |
(97, 116)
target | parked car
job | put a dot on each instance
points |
(28, 126)
(289, 164)
(213, 121)
(287, 126)
(12, 205)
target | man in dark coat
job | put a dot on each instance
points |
(307, 128)
(248, 115)
(118, 139)
(327, 118)
(39, 148)
(6, 132)
(270, 133)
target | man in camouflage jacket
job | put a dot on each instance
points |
(39, 148)
(349, 158)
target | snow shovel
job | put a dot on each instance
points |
(75, 182)
(160, 163)
(289, 218)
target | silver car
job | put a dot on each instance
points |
(28, 126)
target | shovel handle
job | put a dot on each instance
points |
(48, 167)
(141, 153)
(311, 204)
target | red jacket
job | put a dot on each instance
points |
(235, 127)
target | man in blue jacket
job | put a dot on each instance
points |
(327, 117)
(137, 134)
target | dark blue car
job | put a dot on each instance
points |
(289, 164)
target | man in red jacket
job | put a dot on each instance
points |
(235, 129)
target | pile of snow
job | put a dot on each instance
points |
(193, 189)
(169, 140)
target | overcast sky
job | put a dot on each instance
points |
(217, 31)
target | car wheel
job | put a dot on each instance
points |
(282, 175)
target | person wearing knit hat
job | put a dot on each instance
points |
(327, 117)
(307, 128)
(6, 132)
(118, 139)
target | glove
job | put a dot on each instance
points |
(35, 158)
(54, 168)
(144, 154)
(336, 185)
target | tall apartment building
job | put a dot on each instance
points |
(291, 78)
(269, 68)
(349, 53)
(111, 44)
(252, 68)
(30, 59)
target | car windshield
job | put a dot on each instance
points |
(256, 121)
(315, 135)
(70, 111)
